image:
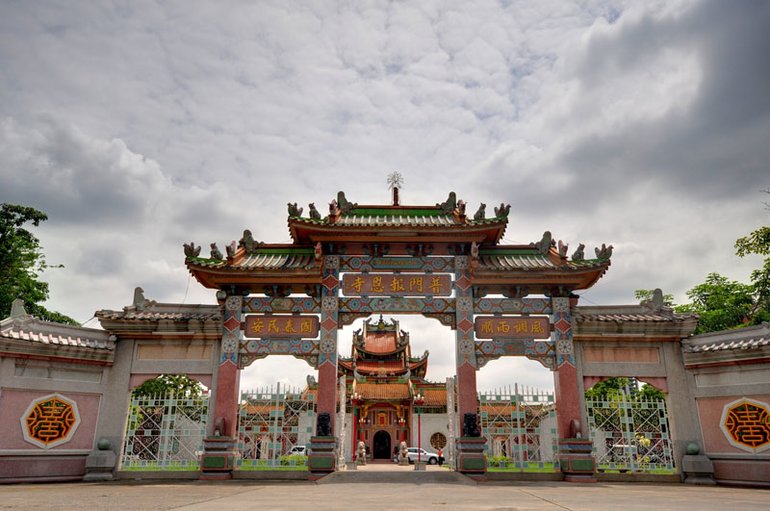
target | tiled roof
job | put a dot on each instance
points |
(262, 260)
(517, 262)
(61, 338)
(22, 327)
(156, 312)
(394, 221)
(385, 366)
(628, 313)
(380, 343)
(434, 397)
(277, 261)
(384, 391)
(259, 408)
(748, 338)
(619, 318)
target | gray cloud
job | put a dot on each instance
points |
(137, 129)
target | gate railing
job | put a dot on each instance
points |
(165, 432)
(272, 422)
(519, 424)
(630, 433)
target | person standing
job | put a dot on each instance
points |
(440, 457)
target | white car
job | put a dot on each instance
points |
(299, 449)
(431, 458)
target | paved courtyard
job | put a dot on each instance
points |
(234, 495)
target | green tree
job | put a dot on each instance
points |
(720, 304)
(613, 387)
(758, 242)
(177, 384)
(21, 261)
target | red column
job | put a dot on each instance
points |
(327, 390)
(226, 401)
(465, 351)
(565, 377)
(228, 375)
(567, 399)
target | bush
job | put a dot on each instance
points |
(498, 461)
(293, 460)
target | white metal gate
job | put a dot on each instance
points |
(271, 423)
(520, 427)
(165, 432)
(630, 433)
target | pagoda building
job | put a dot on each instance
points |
(385, 379)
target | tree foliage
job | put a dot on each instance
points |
(644, 295)
(720, 304)
(723, 304)
(21, 261)
(177, 384)
(758, 242)
(612, 388)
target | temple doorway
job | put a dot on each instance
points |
(382, 449)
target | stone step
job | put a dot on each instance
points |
(396, 477)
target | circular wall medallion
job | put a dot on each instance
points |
(746, 424)
(50, 421)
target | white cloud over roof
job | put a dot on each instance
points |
(138, 128)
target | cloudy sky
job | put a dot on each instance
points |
(137, 126)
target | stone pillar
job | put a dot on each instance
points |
(220, 447)
(470, 444)
(575, 447)
(322, 458)
(452, 421)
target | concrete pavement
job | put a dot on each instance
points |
(234, 495)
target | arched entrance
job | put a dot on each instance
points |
(381, 449)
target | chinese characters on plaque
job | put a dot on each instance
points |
(512, 327)
(388, 284)
(266, 326)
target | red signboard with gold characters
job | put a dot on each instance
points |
(512, 327)
(263, 326)
(390, 284)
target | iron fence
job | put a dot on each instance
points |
(165, 432)
(630, 433)
(520, 427)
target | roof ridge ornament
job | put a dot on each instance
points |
(503, 210)
(190, 250)
(294, 211)
(603, 253)
(248, 242)
(17, 309)
(545, 244)
(449, 205)
(481, 213)
(579, 253)
(344, 204)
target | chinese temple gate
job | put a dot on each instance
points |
(437, 261)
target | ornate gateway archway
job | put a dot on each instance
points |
(501, 300)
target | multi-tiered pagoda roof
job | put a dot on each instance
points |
(395, 230)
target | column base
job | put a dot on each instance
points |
(218, 458)
(99, 466)
(698, 469)
(576, 460)
(470, 455)
(323, 456)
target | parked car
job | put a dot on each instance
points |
(431, 458)
(299, 449)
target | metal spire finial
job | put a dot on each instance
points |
(395, 181)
